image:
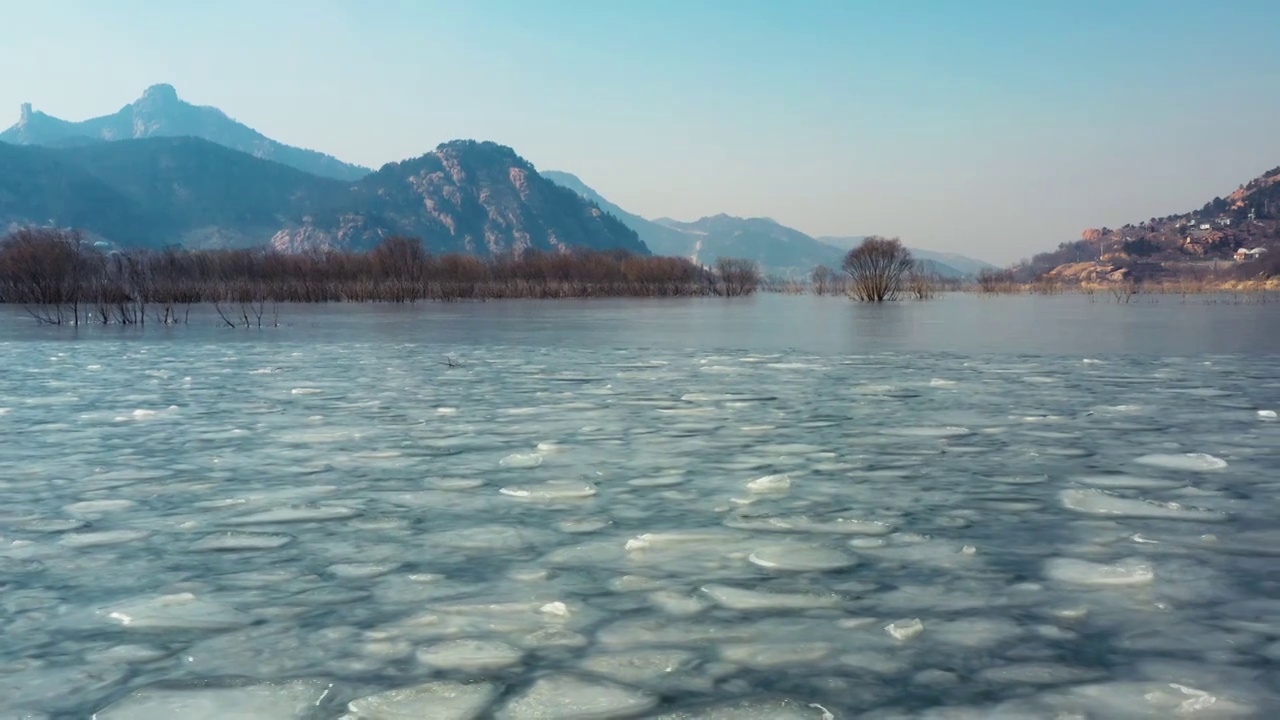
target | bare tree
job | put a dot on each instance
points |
(922, 283)
(737, 276)
(824, 280)
(878, 269)
(992, 281)
(45, 268)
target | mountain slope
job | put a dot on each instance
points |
(38, 187)
(158, 191)
(465, 196)
(948, 265)
(778, 249)
(662, 240)
(160, 113)
(1183, 243)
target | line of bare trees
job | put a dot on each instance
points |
(61, 279)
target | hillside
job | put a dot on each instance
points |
(464, 196)
(160, 113)
(952, 266)
(1237, 234)
(662, 240)
(778, 249)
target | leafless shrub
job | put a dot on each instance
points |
(1124, 291)
(922, 284)
(736, 276)
(826, 281)
(878, 269)
(62, 281)
(44, 269)
(995, 282)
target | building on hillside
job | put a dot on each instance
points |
(1245, 255)
(1206, 226)
(1224, 221)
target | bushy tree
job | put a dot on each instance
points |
(737, 276)
(878, 268)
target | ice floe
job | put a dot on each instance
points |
(743, 599)
(1083, 572)
(470, 655)
(1099, 502)
(443, 700)
(566, 697)
(267, 701)
(1191, 462)
(179, 611)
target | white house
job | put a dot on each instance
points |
(1224, 221)
(1206, 226)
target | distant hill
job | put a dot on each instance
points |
(778, 249)
(464, 196)
(160, 113)
(947, 264)
(1247, 219)
(662, 240)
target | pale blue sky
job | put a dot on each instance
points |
(997, 128)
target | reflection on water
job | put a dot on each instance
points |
(779, 508)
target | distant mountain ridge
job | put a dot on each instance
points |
(160, 113)
(951, 264)
(777, 248)
(465, 196)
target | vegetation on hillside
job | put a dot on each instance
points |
(1229, 238)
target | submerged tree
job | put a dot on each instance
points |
(737, 276)
(824, 280)
(878, 269)
(44, 269)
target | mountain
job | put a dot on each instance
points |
(946, 264)
(1185, 243)
(160, 113)
(780, 250)
(662, 240)
(464, 196)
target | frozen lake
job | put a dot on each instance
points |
(785, 507)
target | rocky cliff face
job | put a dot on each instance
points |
(466, 196)
(161, 113)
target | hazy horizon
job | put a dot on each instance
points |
(983, 129)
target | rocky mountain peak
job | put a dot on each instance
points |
(159, 112)
(160, 93)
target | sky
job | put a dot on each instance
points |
(993, 128)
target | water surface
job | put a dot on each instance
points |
(781, 507)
